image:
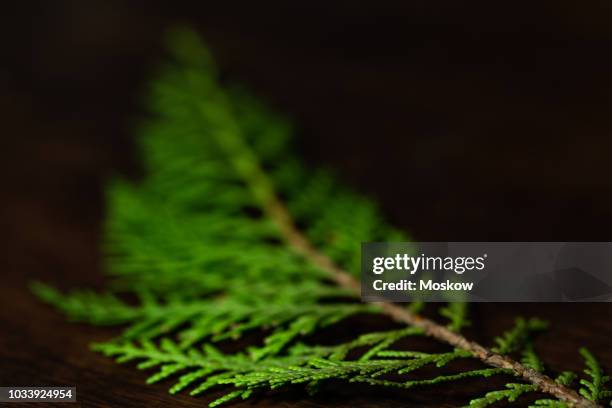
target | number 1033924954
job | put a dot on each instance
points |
(38, 394)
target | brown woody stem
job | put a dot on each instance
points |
(302, 245)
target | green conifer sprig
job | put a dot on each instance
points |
(530, 359)
(513, 340)
(548, 403)
(593, 388)
(195, 320)
(511, 394)
(566, 378)
(518, 338)
(456, 313)
(302, 364)
(210, 253)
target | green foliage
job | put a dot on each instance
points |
(204, 150)
(196, 258)
(214, 320)
(208, 367)
(514, 339)
(457, 314)
(510, 394)
(530, 359)
(593, 389)
(566, 378)
(548, 403)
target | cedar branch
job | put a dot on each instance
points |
(302, 246)
(246, 165)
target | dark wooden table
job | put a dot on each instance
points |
(37, 347)
(493, 120)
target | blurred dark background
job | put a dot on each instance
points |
(493, 118)
(465, 120)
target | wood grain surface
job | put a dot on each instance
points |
(492, 120)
